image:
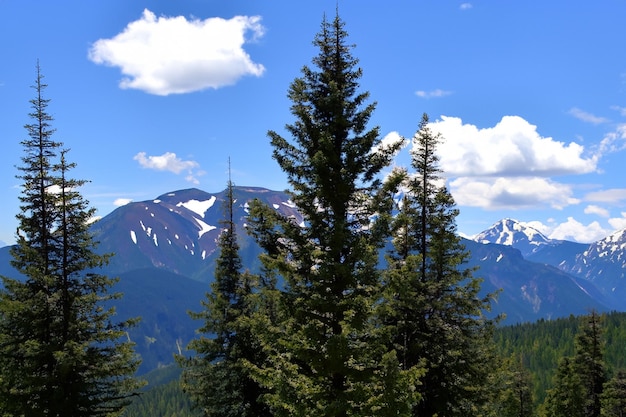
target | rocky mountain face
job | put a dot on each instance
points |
(165, 251)
(178, 231)
(600, 263)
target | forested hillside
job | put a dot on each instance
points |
(541, 346)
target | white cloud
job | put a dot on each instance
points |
(170, 162)
(466, 6)
(166, 162)
(433, 94)
(122, 201)
(593, 209)
(618, 223)
(537, 225)
(511, 193)
(390, 140)
(169, 55)
(511, 148)
(586, 116)
(613, 195)
(575, 231)
(613, 141)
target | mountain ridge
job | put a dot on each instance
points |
(165, 250)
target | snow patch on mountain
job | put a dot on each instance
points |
(204, 228)
(198, 207)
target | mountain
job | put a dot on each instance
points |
(510, 232)
(165, 250)
(601, 263)
(178, 231)
(529, 291)
(604, 264)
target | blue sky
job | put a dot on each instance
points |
(155, 96)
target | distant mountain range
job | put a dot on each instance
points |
(165, 251)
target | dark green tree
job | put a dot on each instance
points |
(613, 399)
(589, 362)
(60, 352)
(321, 344)
(516, 396)
(215, 377)
(580, 379)
(432, 306)
(567, 397)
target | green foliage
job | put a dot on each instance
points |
(613, 399)
(514, 395)
(215, 377)
(431, 305)
(163, 400)
(60, 352)
(317, 329)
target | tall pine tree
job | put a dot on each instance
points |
(60, 352)
(216, 378)
(589, 362)
(580, 380)
(323, 357)
(432, 306)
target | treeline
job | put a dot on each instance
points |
(542, 345)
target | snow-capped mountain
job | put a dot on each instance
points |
(510, 232)
(178, 231)
(602, 263)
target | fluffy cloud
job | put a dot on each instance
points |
(593, 209)
(511, 193)
(390, 140)
(618, 223)
(575, 231)
(168, 55)
(511, 148)
(170, 162)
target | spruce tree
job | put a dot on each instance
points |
(613, 397)
(516, 398)
(216, 377)
(61, 354)
(320, 341)
(432, 306)
(589, 362)
(567, 397)
(580, 379)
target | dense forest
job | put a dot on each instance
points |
(541, 345)
(322, 330)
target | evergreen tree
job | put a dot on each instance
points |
(516, 398)
(613, 397)
(580, 379)
(215, 377)
(321, 342)
(60, 352)
(432, 304)
(589, 363)
(566, 398)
